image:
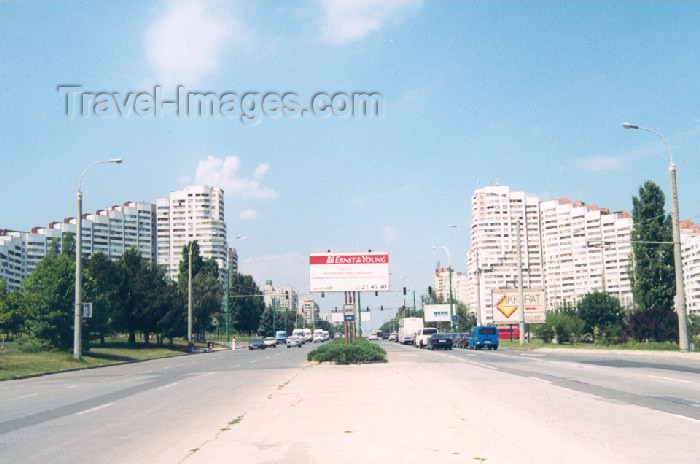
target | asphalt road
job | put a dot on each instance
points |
(611, 405)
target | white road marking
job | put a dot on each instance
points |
(167, 386)
(456, 357)
(498, 354)
(28, 396)
(483, 365)
(539, 380)
(669, 378)
(71, 386)
(254, 361)
(686, 418)
(408, 355)
(532, 355)
(237, 365)
(93, 409)
(206, 374)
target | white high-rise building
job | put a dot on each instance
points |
(286, 298)
(690, 252)
(309, 309)
(460, 285)
(585, 248)
(193, 213)
(109, 231)
(568, 248)
(493, 256)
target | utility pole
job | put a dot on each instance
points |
(228, 319)
(359, 316)
(521, 296)
(478, 290)
(190, 342)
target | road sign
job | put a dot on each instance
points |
(86, 310)
(349, 312)
(455, 319)
(506, 306)
(349, 272)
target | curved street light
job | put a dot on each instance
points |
(78, 317)
(683, 342)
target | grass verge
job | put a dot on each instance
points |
(362, 352)
(632, 345)
(15, 363)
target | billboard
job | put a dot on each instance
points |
(437, 313)
(336, 317)
(349, 272)
(506, 306)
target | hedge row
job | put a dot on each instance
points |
(362, 352)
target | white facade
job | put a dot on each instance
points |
(286, 298)
(193, 213)
(309, 310)
(109, 231)
(460, 285)
(555, 237)
(493, 255)
(690, 252)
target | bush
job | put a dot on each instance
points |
(656, 324)
(362, 352)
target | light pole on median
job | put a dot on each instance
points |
(449, 270)
(78, 320)
(228, 285)
(677, 261)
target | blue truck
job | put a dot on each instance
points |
(483, 336)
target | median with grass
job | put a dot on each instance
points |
(337, 352)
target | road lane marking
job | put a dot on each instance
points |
(93, 409)
(28, 396)
(404, 355)
(686, 418)
(207, 374)
(254, 361)
(167, 386)
(532, 355)
(498, 354)
(669, 378)
(456, 357)
(539, 379)
(71, 386)
(483, 365)
(237, 365)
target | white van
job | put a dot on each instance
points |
(423, 335)
(300, 333)
(308, 336)
(407, 329)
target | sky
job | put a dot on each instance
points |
(526, 94)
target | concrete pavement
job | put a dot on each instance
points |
(444, 410)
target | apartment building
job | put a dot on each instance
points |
(309, 309)
(286, 298)
(110, 231)
(493, 256)
(193, 213)
(690, 252)
(460, 285)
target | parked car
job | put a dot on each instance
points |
(326, 335)
(281, 337)
(393, 336)
(294, 340)
(423, 335)
(270, 342)
(373, 337)
(385, 335)
(439, 340)
(483, 336)
(256, 344)
(318, 338)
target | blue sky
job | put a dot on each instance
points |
(527, 94)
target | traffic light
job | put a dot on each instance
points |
(323, 295)
(381, 308)
(430, 290)
(286, 294)
(404, 290)
(376, 293)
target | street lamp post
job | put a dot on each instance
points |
(78, 321)
(683, 342)
(449, 270)
(228, 285)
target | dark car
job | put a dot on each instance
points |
(483, 336)
(256, 344)
(440, 340)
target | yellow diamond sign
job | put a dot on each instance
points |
(504, 308)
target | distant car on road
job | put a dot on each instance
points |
(423, 335)
(256, 344)
(294, 340)
(318, 338)
(393, 336)
(483, 336)
(373, 337)
(270, 342)
(439, 340)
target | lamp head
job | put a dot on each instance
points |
(116, 160)
(628, 125)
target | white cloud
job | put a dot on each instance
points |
(601, 163)
(224, 173)
(248, 214)
(185, 44)
(279, 268)
(344, 21)
(261, 170)
(390, 235)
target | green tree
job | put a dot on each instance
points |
(602, 315)
(183, 270)
(107, 277)
(246, 303)
(133, 293)
(265, 328)
(11, 310)
(694, 329)
(49, 298)
(652, 274)
(207, 295)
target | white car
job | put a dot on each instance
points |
(318, 338)
(293, 340)
(270, 341)
(423, 335)
(393, 336)
(373, 337)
